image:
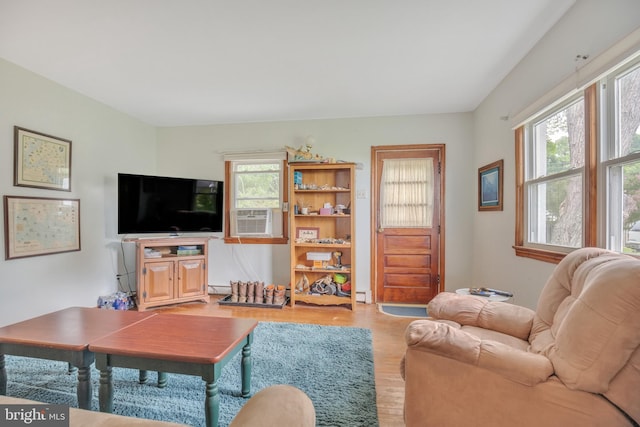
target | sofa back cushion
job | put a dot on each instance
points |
(588, 318)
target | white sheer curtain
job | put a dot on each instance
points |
(406, 193)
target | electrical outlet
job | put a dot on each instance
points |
(361, 194)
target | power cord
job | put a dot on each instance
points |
(126, 270)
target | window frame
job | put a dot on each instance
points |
(611, 153)
(229, 196)
(551, 253)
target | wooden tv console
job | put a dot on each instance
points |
(171, 270)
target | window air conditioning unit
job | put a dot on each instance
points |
(252, 222)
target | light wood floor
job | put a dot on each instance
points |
(387, 332)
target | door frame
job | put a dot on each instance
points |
(374, 211)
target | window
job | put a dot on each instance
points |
(406, 193)
(554, 170)
(257, 184)
(621, 94)
(256, 198)
(578, 171)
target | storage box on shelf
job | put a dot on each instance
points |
(171, 270)
(322, 246)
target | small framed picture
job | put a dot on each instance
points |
(307, 232)
(490, 179)
(41, 161)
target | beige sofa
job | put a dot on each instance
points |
(274, 406)
(573, 362)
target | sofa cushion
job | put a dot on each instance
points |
(488, 334)
(558, 288)
(597, 327)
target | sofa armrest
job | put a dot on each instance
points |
(447, 341)
(470, 310)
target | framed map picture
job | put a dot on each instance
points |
(41, 161)
(40, 226)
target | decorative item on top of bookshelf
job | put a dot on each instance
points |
(40, 226)
(490, 179)
(41, 161)
(304, 154)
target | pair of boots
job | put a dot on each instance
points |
(249, 292)
(275, 294)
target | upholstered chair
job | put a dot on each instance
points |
(573, 362)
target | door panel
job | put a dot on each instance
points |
(407, 261)
(191, 277)
(403, 262)
(405, 242)
(158, 281)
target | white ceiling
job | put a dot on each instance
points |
(195, 62)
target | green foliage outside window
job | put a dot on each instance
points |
(257, 185)
(631, 174)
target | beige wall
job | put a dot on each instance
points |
(104, 142)
(589, 27)
(344, 139)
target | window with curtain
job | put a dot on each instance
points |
(406, 193)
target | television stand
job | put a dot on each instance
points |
(171, 270)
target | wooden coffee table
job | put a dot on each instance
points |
(64, 335)
(182, 344)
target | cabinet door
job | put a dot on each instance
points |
(158, 281)
(191, 278)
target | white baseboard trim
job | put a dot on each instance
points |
(219, 289)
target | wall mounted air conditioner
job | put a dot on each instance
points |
(251, 222)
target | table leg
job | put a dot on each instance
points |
(142, 378)
(106, 390)
(162, 379)
(3, 376)
(245, 367)
(211, 404)
(84, 387)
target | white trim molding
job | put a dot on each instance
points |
(625, 50)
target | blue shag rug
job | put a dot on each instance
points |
(333, 365)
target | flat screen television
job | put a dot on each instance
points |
(158, 204)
